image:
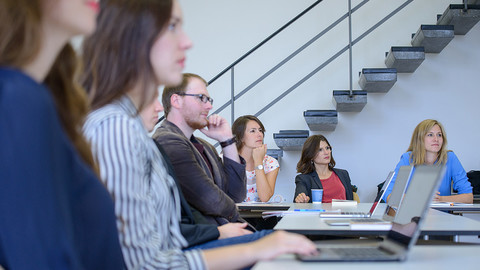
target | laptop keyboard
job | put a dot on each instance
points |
(367, 220)
(365, 252)
(359, 214)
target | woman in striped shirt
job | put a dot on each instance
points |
(139, 45)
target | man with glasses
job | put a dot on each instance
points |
(210, 185)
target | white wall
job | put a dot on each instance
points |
(368, 143)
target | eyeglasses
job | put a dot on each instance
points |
(202, 97)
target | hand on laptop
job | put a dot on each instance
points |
(302, 198)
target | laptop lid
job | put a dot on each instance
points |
(398, 191)
(381, 194)
(409, 219)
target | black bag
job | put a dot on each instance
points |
(474, 178)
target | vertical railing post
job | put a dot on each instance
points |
(350, 44)
(232, 97)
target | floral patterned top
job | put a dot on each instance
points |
(269, 164)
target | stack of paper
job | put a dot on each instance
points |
(371, 225)
(343, 203)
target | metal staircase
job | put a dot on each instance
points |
(457, 19)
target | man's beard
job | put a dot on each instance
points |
(196, 124)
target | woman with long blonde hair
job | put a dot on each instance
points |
(429, 146)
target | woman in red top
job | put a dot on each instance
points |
(316, 168)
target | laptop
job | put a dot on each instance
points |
(350, 214)
(398, 192)
(405, 229)
(395, 200)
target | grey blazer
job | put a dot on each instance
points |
(305, 182)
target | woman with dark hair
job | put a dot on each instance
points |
(429, 146)
(124, 67)
(55, 213)
(262, 170)
(317, 170)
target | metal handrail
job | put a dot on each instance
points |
(335, 56)
(331, 26)
(240, 59)
(348, 47)
(265, 41)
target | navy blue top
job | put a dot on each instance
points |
(54, 212)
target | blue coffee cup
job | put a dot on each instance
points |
(317, 195)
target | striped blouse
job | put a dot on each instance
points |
(146, 199)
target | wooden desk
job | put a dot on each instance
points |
(420, 257)
(436, 223)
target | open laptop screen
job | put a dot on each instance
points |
(381, 194)
(425, 181)
(398, 191)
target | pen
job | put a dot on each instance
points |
(309, 210)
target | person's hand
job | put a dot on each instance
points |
(232, 230)
(281, 242)
(258, 154)
(437, 197)
(217, 128)
(302, 198)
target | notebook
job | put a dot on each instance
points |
(348, 214)
(405, 229)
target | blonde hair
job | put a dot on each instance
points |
(417, 143)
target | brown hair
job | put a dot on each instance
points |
(117, 55)
(20, 31)
(240, 125)
(168, 91)
(309, 151)
(20, 41)
(417, 143)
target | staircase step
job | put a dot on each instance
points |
(462, 20)
(433, 37)
(405, 59)
(377, 80)
(344, 102)
(473, 2)
(275, 153)
(324, 120)
(291, 139)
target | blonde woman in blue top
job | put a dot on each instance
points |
(429, 146)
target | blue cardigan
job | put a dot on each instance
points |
(55, 213)
(454, 172)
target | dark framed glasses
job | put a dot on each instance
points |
(202, 97)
